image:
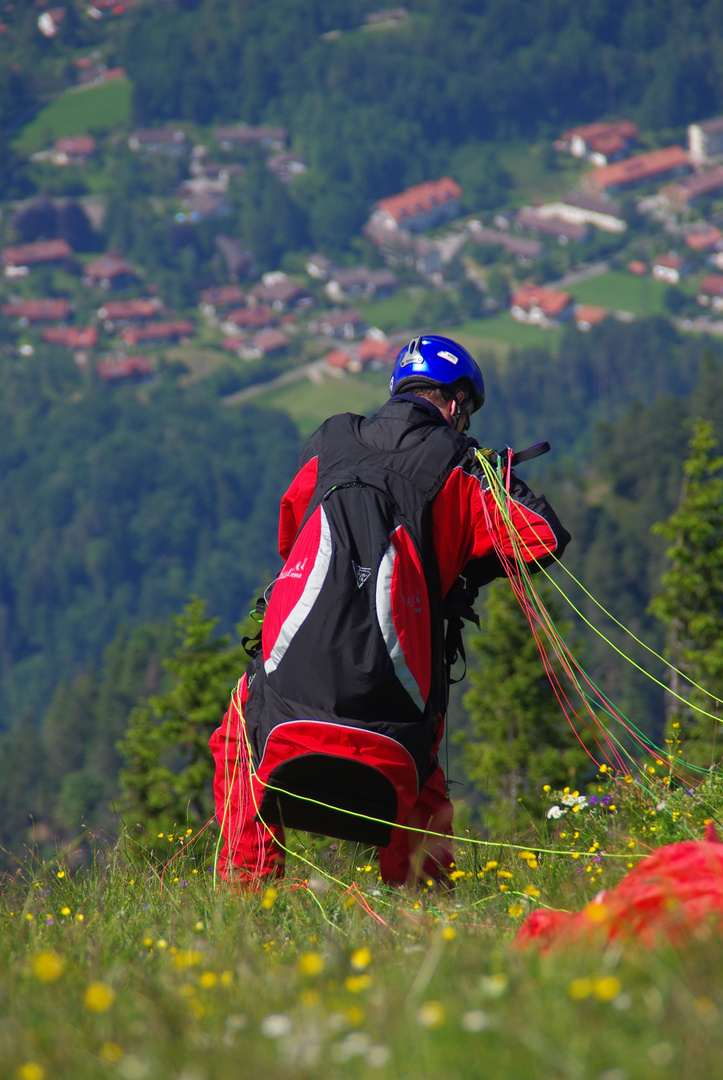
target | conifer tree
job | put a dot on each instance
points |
(166, 779)
(690, 601)
(520, 739)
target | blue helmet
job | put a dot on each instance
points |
(431, 360)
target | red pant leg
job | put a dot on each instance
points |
(250, 850)
(410, 856)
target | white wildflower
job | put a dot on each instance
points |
(353, 1044)
(276, 1025)
(555, 812)
(476, 1020)
(377, 1056)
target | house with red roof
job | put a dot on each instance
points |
(669, 268)
(588, 315)
(110, 271)
(71, 337)
(74, 150)
(262, 344)
(540, 305)
(346, 323)
(710, 291)
(41, 251)
(420, 207)
(654, 167)
(119, 368)
(267, 137)
(163, 140)
(601, 142)
(220, 297)
(34, 311)
(540, 223)
(683, 193)
(280, 293)
(705, 238)
(157, 331)
(128, 311)
(337, 359)
(248, 318)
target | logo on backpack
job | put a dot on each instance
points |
(361, 573)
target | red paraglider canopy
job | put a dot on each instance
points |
(673, 895)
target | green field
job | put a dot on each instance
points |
(619, 291)
(142, 966)
(309, 403)
(82, 111)
(501, 333)
(531, 179)
(397, 312)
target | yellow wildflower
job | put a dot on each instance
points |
(98, 997)
(580, 988)
(354, 1015)
(311, 964)
(606, 987)
(596, 912)
(111, 1052)
(31, 1071)
(48, 966)
(360, 958)
(431, 1014)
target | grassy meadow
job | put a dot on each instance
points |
(142, 965)
(309, 402)
(620, 291)
(81, 111)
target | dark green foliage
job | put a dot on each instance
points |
(85, 721)
(166, 775)
(609, 503)
(134, 506)
(690, 600)
(376, 112)
(519, 738)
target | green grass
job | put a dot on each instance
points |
(502, 330)
(619, 291)
(396, 312)
(145, 967)
(104, 107)
(200, 362)
(309, 403)
(532, 181)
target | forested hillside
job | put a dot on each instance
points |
(376, 111)
(115, 508)
(120, 502)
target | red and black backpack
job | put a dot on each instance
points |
(346, 694)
